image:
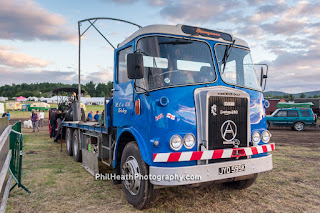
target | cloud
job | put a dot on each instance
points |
(26, 20)
(9, 75)
(194, 12)
(103, 75)
(18, 76)
(19, 60)
(283, 27)
(295, 71)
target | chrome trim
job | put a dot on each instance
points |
(195, 141)
(188, 38)
(256, 143)
(176, 149)
(269, 136)
(201, 96)
(214, 49)
(208, 172)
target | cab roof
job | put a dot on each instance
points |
(184, 30)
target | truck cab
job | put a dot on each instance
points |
(187, 108)
(191, 100)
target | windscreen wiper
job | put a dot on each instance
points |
(176, 42)
(226, 55)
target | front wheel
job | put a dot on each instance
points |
(299, 126)
(138, 191)
(241, 184)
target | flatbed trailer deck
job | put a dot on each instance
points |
(90, 126)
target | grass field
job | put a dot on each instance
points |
(59, 184)
(26, 115)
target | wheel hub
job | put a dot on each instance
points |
(131, 171)
(299, 126)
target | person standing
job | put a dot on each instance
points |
(41, 118)
(6, 114)
(35, 119)
(53, 123)
(96, 116)
(90, 117)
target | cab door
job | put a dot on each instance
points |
(122, 90)
(281, 119)
(293, 116)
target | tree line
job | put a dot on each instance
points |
(291, 96)
(44, 89)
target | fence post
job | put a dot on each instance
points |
(16, 145)
(5, 157)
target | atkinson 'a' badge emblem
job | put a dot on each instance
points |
(214, 110)
(228, 130)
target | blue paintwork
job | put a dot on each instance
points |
(84, 126)
(146, 129)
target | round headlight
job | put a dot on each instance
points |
(176, 142)
(189, 141)
(256, 137)
(266, 136)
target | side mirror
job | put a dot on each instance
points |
(135, 65)
(263, 75)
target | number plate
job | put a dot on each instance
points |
(232, 169)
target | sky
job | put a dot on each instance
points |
(39, 38)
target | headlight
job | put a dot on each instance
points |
(266, 136)
(256, 137)
(176, 142)
(189, 141)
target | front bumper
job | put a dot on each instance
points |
(173, 176)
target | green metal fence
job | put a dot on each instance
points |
(16, 144)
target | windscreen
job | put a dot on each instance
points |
(174, 61)
(239, 69)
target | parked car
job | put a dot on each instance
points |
(296, 118)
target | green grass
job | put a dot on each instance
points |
(59, 184)
(26, 115)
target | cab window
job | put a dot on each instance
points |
(293, 113)
(122, 65)
(282, 114)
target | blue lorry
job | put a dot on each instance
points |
(187, 109)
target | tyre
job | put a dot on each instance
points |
(69, 115)
(137, 191)
(298, 126)
(83, 115)
(241, 184)
(76, 146)
(268, 124)
(69, 135)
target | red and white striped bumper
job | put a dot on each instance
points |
(212, 154)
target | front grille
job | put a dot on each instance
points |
(218, 108)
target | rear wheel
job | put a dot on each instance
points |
(69, 135)
(298, 126)
(76, 144)
(241, 184)
(138, 191)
